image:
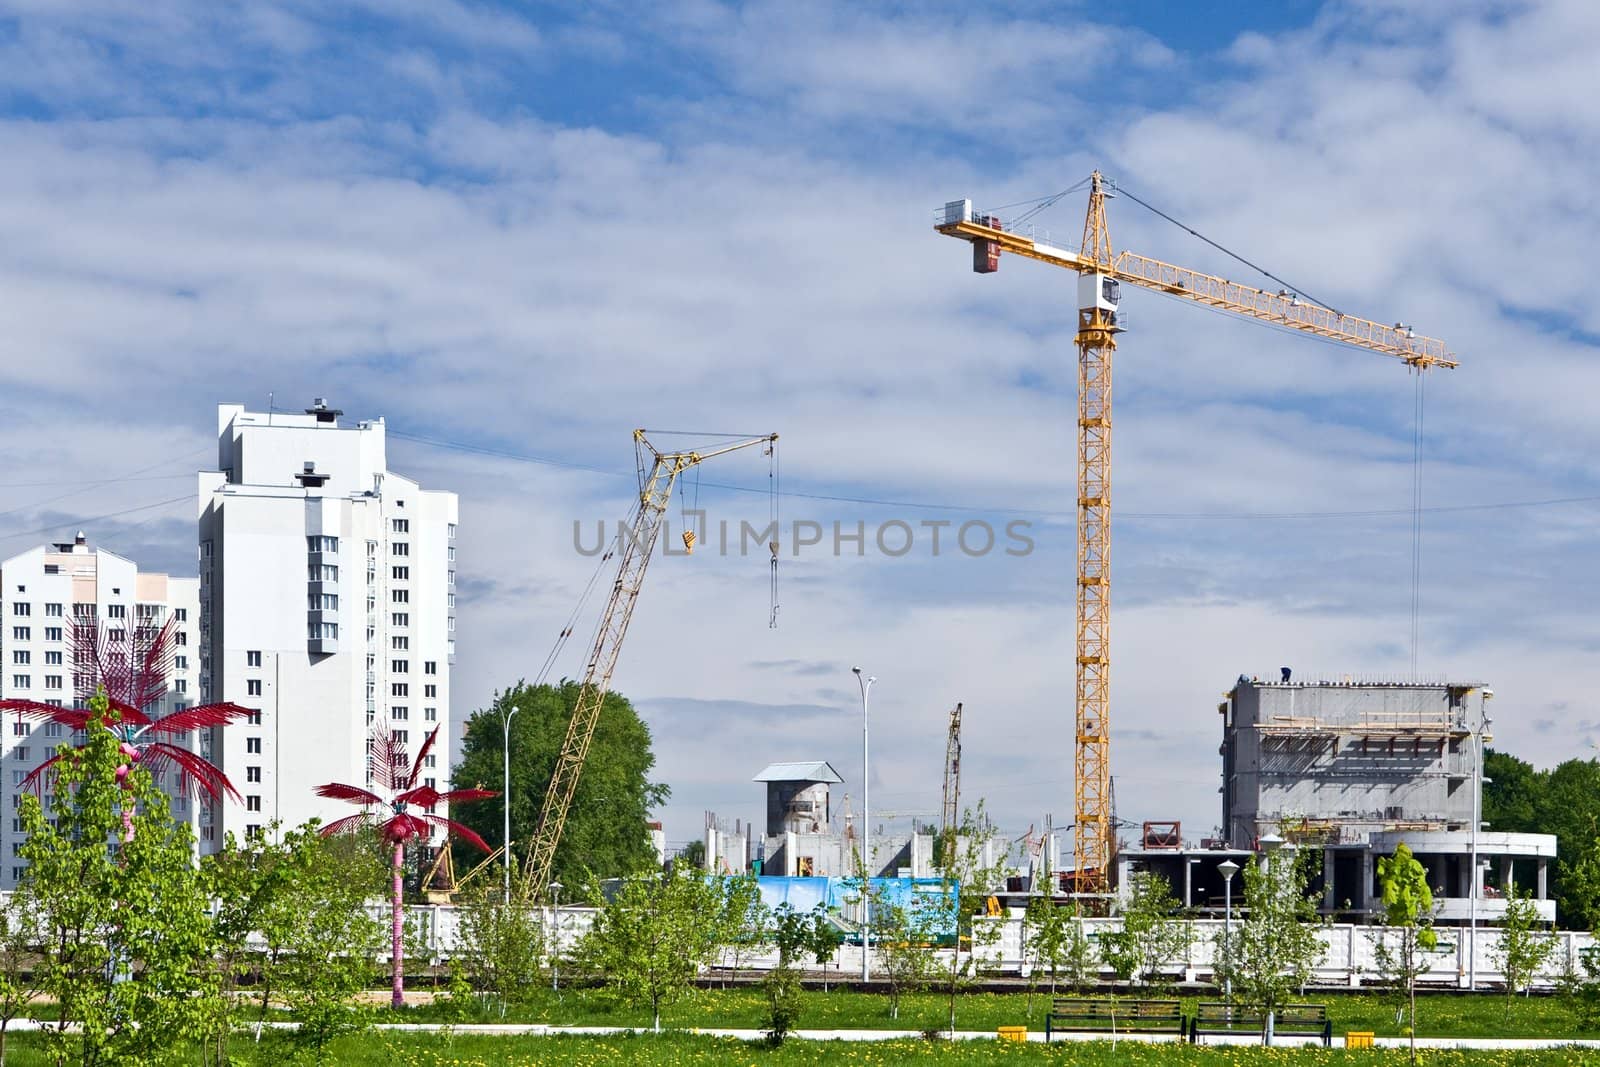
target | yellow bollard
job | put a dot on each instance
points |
(1358, 1039)
(1013, 1033)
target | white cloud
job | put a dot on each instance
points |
(544, 285)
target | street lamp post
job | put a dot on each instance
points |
(1227, 868)
(505, 805)
(1486, 695)
(865, 682)
(555, 936)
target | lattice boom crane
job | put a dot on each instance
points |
(1100, 278)
(638, 542)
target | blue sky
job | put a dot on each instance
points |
(531, 228)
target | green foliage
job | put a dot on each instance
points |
(742, 919)
(651, 939)
(124, 919)
(20, 932)
(1274, 947)
(605, 832)
(1152, 934)
(499, 947)
(1055, 940)
(1564, 801)
(1408, 906)
(969, 880)
(903, 937)
(1523, 947)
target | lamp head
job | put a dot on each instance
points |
(1488, 694)
(855, 670)
(1228, 868)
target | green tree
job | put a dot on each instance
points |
(499, 947)
(742, 920)
(605, 832)
(1151, 935)
(969, 879)
(795, 934)
(1511, 793)
(1054, 939)
(903, 937)
(1274, 949)
(327, 939)
(20, 977)
(1407, 907)
(1523, 946)
(651, 939)
(127, 940)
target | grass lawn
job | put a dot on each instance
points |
(1482, 1015)
(676, 1049)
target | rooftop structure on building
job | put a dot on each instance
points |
(44, 593)
(327, 597)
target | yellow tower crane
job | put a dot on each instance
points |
(658, 474)
(1100, 278)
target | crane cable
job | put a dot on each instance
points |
(1416, 526)
(1224, 250)
(572, 619)
(774, 491)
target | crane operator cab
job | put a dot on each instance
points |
(1098, 297)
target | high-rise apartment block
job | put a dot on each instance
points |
(48, 593)
(327, 607)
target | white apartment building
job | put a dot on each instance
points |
(44, 592)
(327, 605)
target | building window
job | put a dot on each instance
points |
(116, 611)
(53, 729)
(252, 688)
(400, 643)
(254, 717)
(450, 553)
(322, 572)
(400, 618)
(400, 713)
(180, 686)
(401, 736)
(252, 802)
(431, 714)
(252, 774)
(400, 596)
(430, 761)
(52, 659)
(399, 689)
(54, 611)
(430, 690)
(53, 633)
(400, 574)
(22, 656)
(21, 608)
(450, 601)
(323, 631)
(252, 745)
(326, 545)
(399, 666)
(21, 633)
(52, 681)
(252, 659)
(322, 601)
(252, 832)
(399, 548)
(182, 639)
(180, 663)
(430, 666)
(181, 614)
(450, 531)
(401, 525)
(21, 681)
(20, 729)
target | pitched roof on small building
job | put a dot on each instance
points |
(813, 771)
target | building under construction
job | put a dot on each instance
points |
(1353, 768)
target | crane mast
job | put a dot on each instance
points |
(638, 543)
(951, 817)
(1100, 278)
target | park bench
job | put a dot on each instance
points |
(1123, 1016)
(1291, 1020)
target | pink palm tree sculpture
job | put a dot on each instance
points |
(409, 812)
(133, 666)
